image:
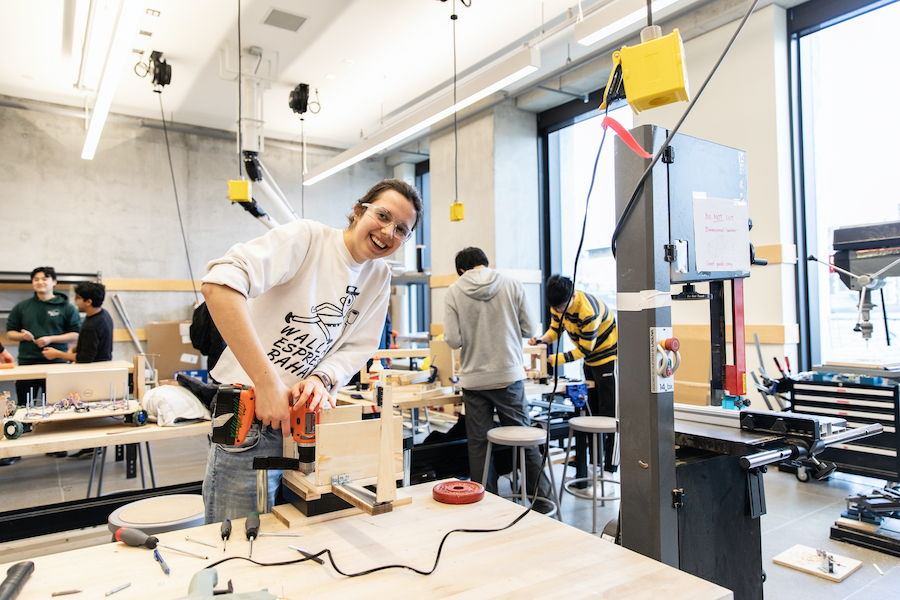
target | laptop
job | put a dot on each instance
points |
(92, 385)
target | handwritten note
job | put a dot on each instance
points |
(721, 234)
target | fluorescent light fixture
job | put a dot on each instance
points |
(615, 18)
(524, 62)
(120, 48)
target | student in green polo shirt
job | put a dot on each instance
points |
(47, 319)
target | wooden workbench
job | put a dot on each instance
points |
(536, 558)
(40, 371)
(59, 436)
(345, 396)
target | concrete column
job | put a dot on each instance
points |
(498, 184)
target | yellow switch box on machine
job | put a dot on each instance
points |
(653, 73)
(239, 190)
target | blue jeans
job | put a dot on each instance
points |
(229, 486)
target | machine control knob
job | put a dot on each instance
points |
(672, 344)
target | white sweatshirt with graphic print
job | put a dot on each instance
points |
(313, 306)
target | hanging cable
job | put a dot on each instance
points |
(177, 203)
(240, 98)
(453, 18)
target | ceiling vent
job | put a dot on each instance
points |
(284, 20)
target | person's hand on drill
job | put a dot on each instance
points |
(313, 390)
(273, 403)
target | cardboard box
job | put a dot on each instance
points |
(170, 342)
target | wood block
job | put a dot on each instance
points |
(352, 449)
(402, 395)
(412, 377)
(300, 484)
(139, 377)
(443, 358)
(291, 516)
(370, 509)
(386, 489)
(341, 414)
(804, 558)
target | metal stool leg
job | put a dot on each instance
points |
(487, 465)
(562, 482)
(553, 486)
(515, 478)
(141, 466)
(594, 445)
(524, 487)
(150, 464)
(93, 469)
(102, 467)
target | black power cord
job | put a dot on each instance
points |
(177, 203)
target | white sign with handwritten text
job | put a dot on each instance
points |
(721, 234)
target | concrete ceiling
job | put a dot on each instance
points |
(369, 60)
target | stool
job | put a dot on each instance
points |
(159, 514)
(520, 437)
(595, 426)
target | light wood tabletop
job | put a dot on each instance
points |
(40, 371)
(538, 557)
(58, 436)
(348, 395)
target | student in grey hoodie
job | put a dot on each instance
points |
(487, 317)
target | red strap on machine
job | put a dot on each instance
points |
(626, 137)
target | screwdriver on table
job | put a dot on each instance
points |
(251, 525)
(137, 538)
(225, 530)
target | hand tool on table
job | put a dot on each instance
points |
(137, 538)
(251, 527)
(162, 563)
(15, 579)
(225, 531)
(188, 538)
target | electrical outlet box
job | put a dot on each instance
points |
(659, 383)
(239, 190)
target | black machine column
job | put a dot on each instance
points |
(649, 521)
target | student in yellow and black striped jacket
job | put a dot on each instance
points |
(591, 326)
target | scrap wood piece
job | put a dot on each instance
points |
(808, 560)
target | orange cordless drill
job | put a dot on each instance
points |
(234, 414)
(303, 429)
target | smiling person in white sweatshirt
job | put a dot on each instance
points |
(301, 309)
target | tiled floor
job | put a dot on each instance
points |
(798, 513)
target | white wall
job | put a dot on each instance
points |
(117, 213)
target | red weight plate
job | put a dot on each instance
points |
(458, 492)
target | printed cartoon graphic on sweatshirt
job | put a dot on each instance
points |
(299, 350)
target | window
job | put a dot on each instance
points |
(571, 152)
(845, 127)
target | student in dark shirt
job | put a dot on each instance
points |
(96, 339)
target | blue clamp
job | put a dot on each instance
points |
(577, 393)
